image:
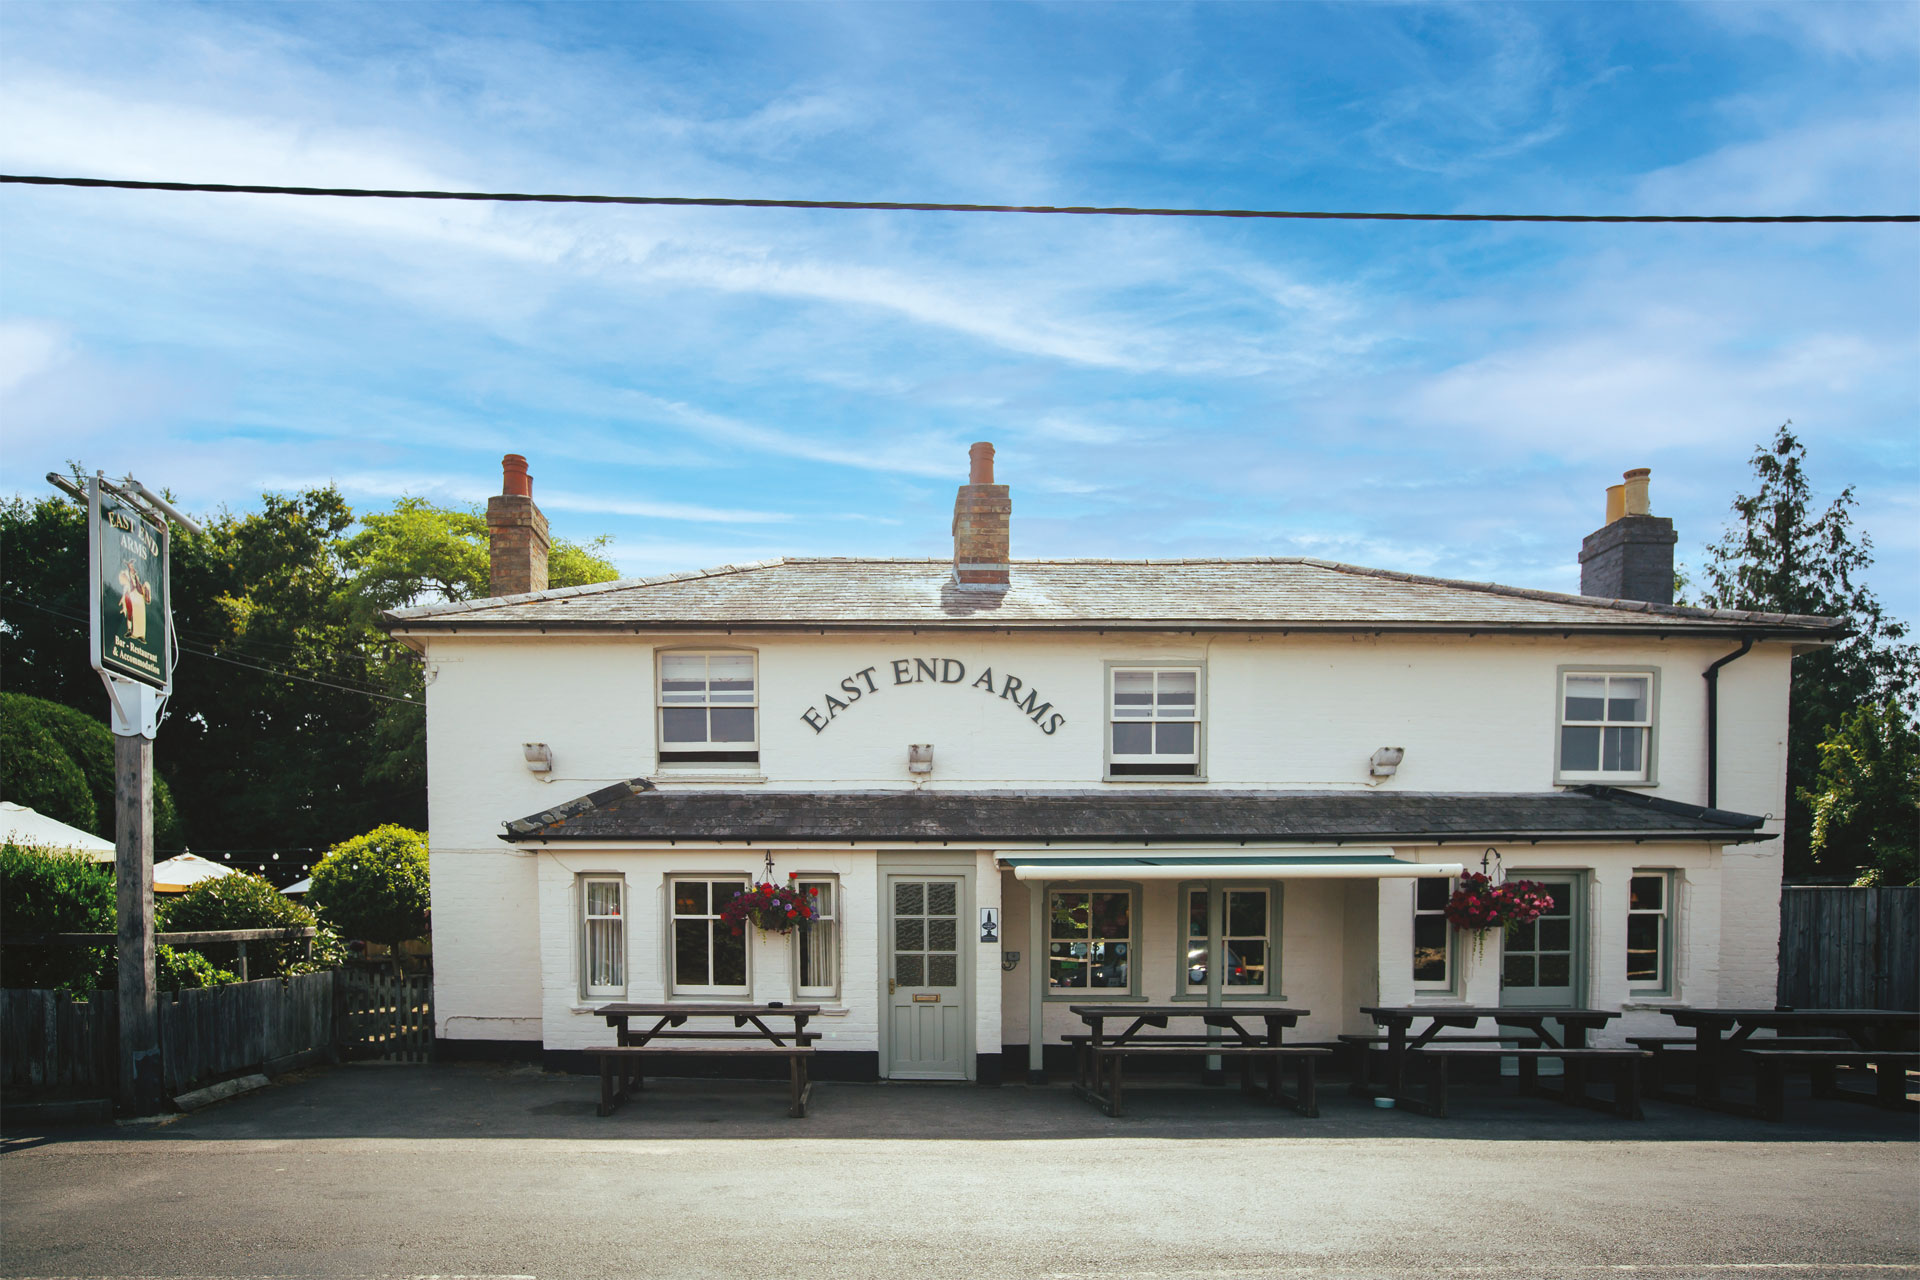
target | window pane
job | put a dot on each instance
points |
(1196, 966)
(1173, 739)
(1431, 893)
(1246, 913)
(1247, 963)
(1519, 971)
(1067, 973)
(683, 724)
(910, 935)
(816, 954)
(730, 677)
(1579, 750)
(1067, 950)
(1133, 693)
(683, 677)
(942, 935)
(690, 953)
(603, 898)
(1586, 698)
(1109, 968)
(1133, 739)
(1111, 915)
(909, 971)
(729, 957)
(604, 959)
(1562, 900)
(821, 891)
(1643, 948)
(1648, 893)
(1070, 916)
(943, 898)
(1177, 692)
(1622, 754)
(1429, 949)
(943, 971)
(910, 898)
(731, 724)
(1197, 913)
(690, 898)
(1556, 971)
(1556, 934)
(1522, 937)
(1627, 698)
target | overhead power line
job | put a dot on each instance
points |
(929, 206)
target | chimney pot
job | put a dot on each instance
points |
(1616, 502)
(514, 480)
(981, 456)
(1636, 491)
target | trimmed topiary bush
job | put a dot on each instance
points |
(240, 901)
(59, 761)
(373, 888)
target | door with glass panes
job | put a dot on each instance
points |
(927, 978)
(1541, 962)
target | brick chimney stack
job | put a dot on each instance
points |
(982, 524)
(517, 538)
(1631, 556)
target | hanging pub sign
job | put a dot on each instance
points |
(131, 622)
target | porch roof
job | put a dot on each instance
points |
(636, 811)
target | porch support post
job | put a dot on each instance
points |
(1036, 981)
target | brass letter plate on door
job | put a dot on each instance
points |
(929, 999)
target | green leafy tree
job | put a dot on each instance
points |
(240, 901)
(52, 891)
(1865, 800)
(1781, 554)
(42, 739)
(374, 887)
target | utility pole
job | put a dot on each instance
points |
(130, 635)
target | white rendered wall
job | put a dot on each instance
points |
(1282, 712)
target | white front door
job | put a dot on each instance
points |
(926, 975)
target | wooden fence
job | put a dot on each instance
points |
(51, 1041)
(1848, 948)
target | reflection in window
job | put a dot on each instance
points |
(1090, 941)
(1649, 930)
(1432, 935)
(708, 956)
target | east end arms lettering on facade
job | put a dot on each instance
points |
(863, 683)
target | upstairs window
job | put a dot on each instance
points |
(1606, 726)
(1154, 722)
(709, 709)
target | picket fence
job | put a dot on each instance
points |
(49, 1041)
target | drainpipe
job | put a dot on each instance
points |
(1712, 674)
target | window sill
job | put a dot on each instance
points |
(1154, 779)
(1225, 999)
(1092, 997)
(1652, 1001)
(1623, 783)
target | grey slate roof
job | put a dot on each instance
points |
(1271, 593)
(636, 811)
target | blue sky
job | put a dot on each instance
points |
(710, 386)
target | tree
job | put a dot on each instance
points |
(374, 887)
(1865, 800)
(1779, 556)
(47, 750)
(52, 891)
(240, 901)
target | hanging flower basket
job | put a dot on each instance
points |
(768, 907)
(1479, 906)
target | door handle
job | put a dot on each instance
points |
(892, 985)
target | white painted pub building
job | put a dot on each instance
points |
(1016, 785)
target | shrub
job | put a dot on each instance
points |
(52, 891)
(373, 888)
(181, 970)
(240, 901)
(41, 741)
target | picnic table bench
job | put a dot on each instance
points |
(1538, 1042)
(621, 1070)
(1100, 1058)
(1818, 1041)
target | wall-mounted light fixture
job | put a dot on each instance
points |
(920, 758)
(539, 756)
(1009, 961)
(1382, 763)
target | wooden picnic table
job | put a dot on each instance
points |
(1575, 1025)
(1243, 1031)
(631, 1044)
(1720, 1034)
